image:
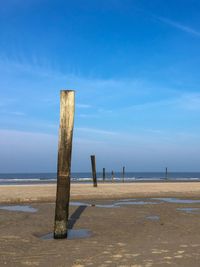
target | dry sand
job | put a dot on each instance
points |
(121, 236)
(46, 192)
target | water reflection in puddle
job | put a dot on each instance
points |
(71, 234)
(148, 201)
(134, 203)
(178, 201)
(153, 218)
(190, 210)
(115, 204)
(18, 208)
(76, 203)
(105, 206)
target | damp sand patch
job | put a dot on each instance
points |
(153, 218)
(190, 210)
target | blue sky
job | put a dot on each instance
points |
(134, 66)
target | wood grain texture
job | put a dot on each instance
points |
(64, 162)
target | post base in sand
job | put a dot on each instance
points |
(60, 230)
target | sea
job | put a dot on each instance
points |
(86, 177)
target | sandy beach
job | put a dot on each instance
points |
(143, 224)
(47, 192)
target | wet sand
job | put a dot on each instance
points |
(152, 232)
(46, 192)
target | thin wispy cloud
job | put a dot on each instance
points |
(7, 101)
(93, 87)
(189, 101)
(78, 105)
(31, 66)
(15, 113)
(170, 22)
(96, 131)
(151, 104)
(179, 26)
(86, 116)
(45, 69)
(182, 101)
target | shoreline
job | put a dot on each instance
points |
(47, 192)
(90, 182)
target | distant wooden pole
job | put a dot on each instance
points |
(104, 174)
(64, 163)
(94, 174)
(112, 176)
(166, 173)
(123, 173)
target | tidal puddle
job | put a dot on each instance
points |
(148, 201)
(135, 202)
(72, 234)
(108, 206)
(76, 203)
(190, 210)
(19, 208)
(116, 204)
(92, 205)
(177, 200)
(153, 218)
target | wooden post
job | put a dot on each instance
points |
(112, 176)
(64, 163)
(123, 173)
(166, 173)
(94, 174)
(104, 174)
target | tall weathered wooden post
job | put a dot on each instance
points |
(104, 174)
(64, 162)
(94, 174)
(123, 174)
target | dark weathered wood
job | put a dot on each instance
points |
(123, 174)
(104, 174)
(112, 176)
(166, 173)
(94, 174)
(64, 163)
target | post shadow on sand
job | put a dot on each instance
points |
(75, 216)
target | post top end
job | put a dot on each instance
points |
(66, 91)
